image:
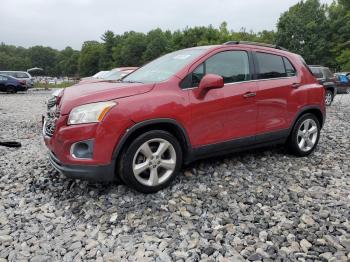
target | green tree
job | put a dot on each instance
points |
(109, 41)
(89, 59)
(44, 57)
(157, 45)
(303, 29)
(129, 49)
(339, 34)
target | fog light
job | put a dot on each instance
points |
(83, 149)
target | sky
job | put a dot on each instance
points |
(61, 23)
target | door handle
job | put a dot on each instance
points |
(249, 94)
(296, 85)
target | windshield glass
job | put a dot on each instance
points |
(164, 67)
(113, 75)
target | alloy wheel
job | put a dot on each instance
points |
(307, 135)
(329, 98)
(154, 162)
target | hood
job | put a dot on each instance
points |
(97, 92)
(90, 80)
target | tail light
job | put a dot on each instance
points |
(22, 82)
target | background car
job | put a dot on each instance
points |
(11, 85)
(327, 79)
(114, 74)
(118, 73)
(343, 87)
(20, 75)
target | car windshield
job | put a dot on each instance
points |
(164, 67)
(113, 75)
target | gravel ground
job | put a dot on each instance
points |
(264, 205)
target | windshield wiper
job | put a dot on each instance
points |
(122, 81)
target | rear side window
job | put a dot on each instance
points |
(270, 66)
(11, 74)
(21, 75)
(316, 71)
(327, 72)
(233, 66)
(290, 70)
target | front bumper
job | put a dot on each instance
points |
(86, 172)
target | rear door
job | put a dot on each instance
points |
(276, 80)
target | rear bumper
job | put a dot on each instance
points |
(105, 173)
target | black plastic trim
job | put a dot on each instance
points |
(241, 144)
(145, 123)
(86, 172)
(307, 108)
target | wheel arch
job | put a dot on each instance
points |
(315, 110)
(166, 124)
(331, 87)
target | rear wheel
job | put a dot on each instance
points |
(11, 89)
(305, 135)
(329, 97)
(151, 161)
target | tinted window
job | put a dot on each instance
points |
(327, 72)
(21, 75)
(197, 75)
(270, 66)
(289, 67)
(233, 66)
(316, 71)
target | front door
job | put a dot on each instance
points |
(227, 113)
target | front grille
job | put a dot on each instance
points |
(53, 114)
(51, 102)
(50, 126)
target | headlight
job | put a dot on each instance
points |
(89, 113)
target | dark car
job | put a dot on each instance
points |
(10, 84)
(343, 82)
(327, 79)
(20, 75)
(186, 105)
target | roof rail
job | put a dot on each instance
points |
(255, 43)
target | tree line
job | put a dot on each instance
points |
(318, 32)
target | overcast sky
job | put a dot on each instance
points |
(61, 23)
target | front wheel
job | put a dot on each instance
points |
(11, 89)
(305, 135)
(329, 97)
(151, 161)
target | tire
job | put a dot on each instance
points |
(154, 171)
(329, 97)
(295, 144)
(347, 90)
(11, 89)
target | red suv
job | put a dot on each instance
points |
(186, 105)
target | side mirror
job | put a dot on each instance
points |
(209, 81)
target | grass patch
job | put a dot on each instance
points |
(61, 85)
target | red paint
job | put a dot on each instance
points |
(210, 114)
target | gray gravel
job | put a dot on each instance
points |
(260, 206)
